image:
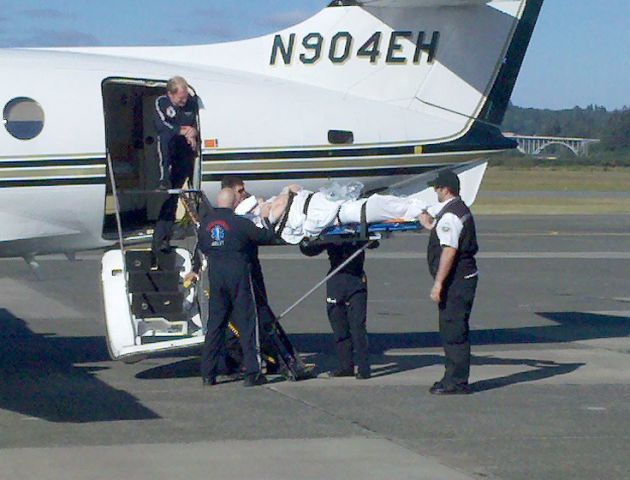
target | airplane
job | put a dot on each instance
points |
(370, 90)
(375, 90)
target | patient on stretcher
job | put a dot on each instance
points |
(297, 213)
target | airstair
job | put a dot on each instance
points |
(149, 306)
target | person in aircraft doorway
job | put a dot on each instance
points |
(175, 119)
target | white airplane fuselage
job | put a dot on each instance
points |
(401, 89)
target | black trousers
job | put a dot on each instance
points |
(346, 306)
(454, 314)
(231, 299)
(174, 153)
(275, 347)
(266, 317)
(266, 320)
(178, 165)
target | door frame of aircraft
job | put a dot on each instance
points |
(131, 148)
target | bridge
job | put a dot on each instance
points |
(534, 144)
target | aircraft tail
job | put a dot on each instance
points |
(453, 60)
(447, 58)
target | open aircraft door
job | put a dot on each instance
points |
(149, 308)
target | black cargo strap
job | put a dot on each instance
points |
(364, 225)
(307, 203)
(285, 215)
(337, 216)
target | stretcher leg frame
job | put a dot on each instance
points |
(328, 277)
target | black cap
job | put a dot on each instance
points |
(446, 178)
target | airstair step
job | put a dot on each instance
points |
(145, 305)
(154, 281)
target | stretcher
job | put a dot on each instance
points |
(363, 232)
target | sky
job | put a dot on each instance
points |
(578, 55)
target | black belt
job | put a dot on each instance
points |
(285, 215)
(307, 203)
(364, 225)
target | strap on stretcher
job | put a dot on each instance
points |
(285, 215)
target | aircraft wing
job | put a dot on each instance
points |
(470, 177)
(23, 227)
(420, 3)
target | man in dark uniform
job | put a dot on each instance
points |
(276, 348)
(346, 305)
(228, 241)
(451, 255)
(266, 317)
(175, 119)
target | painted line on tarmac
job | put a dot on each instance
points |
(553, 233)
(484, 255)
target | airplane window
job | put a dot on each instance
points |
(23, 118)
(339, 137)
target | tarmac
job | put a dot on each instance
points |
(550, 373)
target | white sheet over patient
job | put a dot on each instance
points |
(381, 208)
(322, 212)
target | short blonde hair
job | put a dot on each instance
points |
(175, 83)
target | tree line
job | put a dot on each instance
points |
(611, 127)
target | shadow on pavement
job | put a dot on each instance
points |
(541, 369)
(187, 368)
(38, 378)
(570, 326)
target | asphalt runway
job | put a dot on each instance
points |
(551, 373)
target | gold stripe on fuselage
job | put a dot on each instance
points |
(30, 173)
(332, 164)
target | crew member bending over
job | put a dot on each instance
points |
(175, 119)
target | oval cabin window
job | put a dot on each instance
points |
(23, 118)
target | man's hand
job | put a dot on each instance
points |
(265, 210)
(436, 292)
(426, 220)
(190, 278)
(191, 135)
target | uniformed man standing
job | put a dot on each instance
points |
(266, 316)
(451, 255)
(228, 241)
(346, 306)
(175, 119)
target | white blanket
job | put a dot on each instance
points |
(323, 213)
